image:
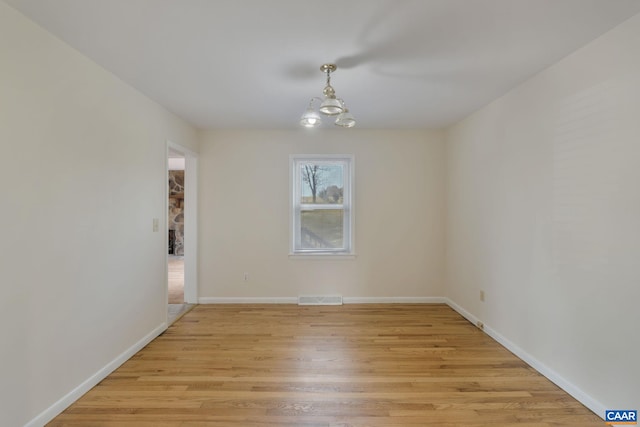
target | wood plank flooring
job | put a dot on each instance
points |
(342, 366)
(176, 279)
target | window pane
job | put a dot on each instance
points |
(322, 229)
(321, 183)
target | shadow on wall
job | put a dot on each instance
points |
(176, 212)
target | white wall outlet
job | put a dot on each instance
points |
(482, 296)
(156, 225)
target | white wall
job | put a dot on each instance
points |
(543, 214)
(83, 276)
(176, 163)
(244, 215)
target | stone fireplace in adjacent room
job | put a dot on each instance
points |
(176, 212)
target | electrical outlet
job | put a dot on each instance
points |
(246, 276)
(482, 296)
(156, 225)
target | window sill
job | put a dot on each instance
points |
(320, 255)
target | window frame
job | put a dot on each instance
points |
(296, 207)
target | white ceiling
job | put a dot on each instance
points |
(255, 63)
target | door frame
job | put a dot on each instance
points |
(190, 221)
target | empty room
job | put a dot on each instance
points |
(386, 213)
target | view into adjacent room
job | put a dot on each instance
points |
(175, 227)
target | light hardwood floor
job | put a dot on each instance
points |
(342, 366)
(176, 279)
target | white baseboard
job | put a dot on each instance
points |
(62, 404)
(464, 313)
(394, 300)
(597, 407)
(248, 300)
(345, 300)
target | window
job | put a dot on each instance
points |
(321, 204)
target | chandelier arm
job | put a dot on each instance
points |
(315, 98)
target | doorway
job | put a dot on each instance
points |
(181, 193)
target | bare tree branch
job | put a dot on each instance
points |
(312, 175)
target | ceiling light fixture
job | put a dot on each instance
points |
(329, 106)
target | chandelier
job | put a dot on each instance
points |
(329, 106)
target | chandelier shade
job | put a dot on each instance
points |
(346, 119)
(331, 107)
(310, 118)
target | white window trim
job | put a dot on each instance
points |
(348, 198)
